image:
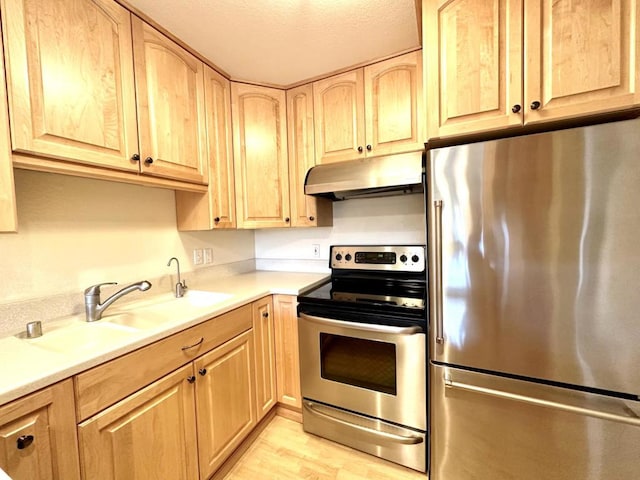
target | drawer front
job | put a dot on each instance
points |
(105, 384)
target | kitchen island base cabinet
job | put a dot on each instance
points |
(149, 435)
(38, 436)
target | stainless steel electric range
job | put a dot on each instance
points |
(363, 352)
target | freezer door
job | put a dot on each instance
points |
(534, 255)
(488, 427)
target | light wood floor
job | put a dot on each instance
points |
(283, 451)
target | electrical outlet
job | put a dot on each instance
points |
(316, 250)
(208, 256)
(197, 256)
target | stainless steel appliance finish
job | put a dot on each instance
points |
(534, 271)
(367, 177)
(362, 341)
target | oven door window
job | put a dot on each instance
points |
(359, 362)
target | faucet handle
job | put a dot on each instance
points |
(95, 289)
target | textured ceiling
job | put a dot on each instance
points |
(282, 42)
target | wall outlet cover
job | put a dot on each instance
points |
(197, 256)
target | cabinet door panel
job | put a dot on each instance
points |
(582, 56)
(473, 65)
(265, 360)
(260, 156)
(171, 116)
(77, 100)
(393, 105)
(287, 355)
(8, 213)
(150, 434)
(339, 117)
(48, 417)
(225, 400)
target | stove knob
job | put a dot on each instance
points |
(403, 258)
(415, 259)
(338, 257)
(347, 257)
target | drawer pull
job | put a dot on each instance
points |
(194, 345)
(24, 441)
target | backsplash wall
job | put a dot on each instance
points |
(75, 232)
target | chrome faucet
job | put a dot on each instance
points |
(92, 306)
(181, 286)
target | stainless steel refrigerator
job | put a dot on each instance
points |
(534, 284)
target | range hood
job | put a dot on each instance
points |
(367, 177)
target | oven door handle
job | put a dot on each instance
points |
(404, 440)
(366, 327)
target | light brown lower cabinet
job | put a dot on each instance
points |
(287, 355)
(150, 434)
(265, 361)
(38, 435)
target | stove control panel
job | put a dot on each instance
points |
(398, 258)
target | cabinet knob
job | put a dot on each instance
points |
(24, 441)
(516, 108)
(368, 148)
(287, 219)
(217, 219)
(148, 160)
(191, 379)
(202, 371)
(535, 105)
(312, 218)
(360, 149)
(135, 157)
(265, 314)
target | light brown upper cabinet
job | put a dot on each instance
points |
(72, 93)
(70, 80)
(493, 64)
(171, 113)
(306, 211)
(375, 110)
(216, 208)
(260, 156)
(8, 216)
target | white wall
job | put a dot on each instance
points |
(387, 220)
(75, 232)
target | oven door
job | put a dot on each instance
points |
(375, 370)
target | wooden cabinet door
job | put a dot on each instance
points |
(216, 208)
(225, 400)
(287, 355)
(171, 112)
(265, 357)
(8, 214)
(38, 435)
(393, 105)
(260, 156)
(306, 211)
(70, 80)
(473, 65)
(150, 434)
(582, 57)
(338, 104)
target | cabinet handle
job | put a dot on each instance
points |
(516, 108)
(535, 105)
(265, 314)
(312, 218)
(286, 219)
(360, 149)
(135, 157)
(191, 379)
(202, 371)
(194, 345)
(368, 148)
(216, 220)
(24, 441)
(148, 160)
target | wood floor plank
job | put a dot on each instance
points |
(283, 451)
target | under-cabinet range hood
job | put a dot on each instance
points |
(367, 177)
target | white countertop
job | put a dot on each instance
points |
(27, 366)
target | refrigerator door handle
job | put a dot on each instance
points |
(437, 205)
(405, 440)
(632, 419)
